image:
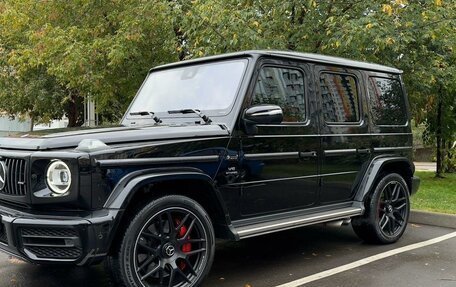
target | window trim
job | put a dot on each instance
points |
(407, 122)
(360, 106)
(306, 120)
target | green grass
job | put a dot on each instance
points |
(436, 194)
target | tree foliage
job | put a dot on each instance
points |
(54, 53)
(97, 48)
(415, 36)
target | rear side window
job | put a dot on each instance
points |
(283, 87)
(340, 99)
(387, 101)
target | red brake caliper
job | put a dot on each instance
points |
(187, 247)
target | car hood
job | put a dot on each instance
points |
(68, 138)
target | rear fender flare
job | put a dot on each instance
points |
(373, 172)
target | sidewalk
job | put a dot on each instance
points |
(425, 166)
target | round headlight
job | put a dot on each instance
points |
(58, 177)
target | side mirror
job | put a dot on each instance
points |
(262, 114)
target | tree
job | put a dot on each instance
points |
(417, 38)
(72, 49)
(413, 36)
(97, 48)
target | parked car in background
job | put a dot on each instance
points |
(230, 146)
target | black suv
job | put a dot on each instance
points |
(231, 146)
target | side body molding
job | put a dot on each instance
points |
(374, 170)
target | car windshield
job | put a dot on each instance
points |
(210, 88)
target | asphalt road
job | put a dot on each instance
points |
(275, 259)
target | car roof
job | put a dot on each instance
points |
(316, 58)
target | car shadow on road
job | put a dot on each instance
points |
(273, 254)
(234, 261)
(28, 275)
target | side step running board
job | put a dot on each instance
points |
(296, 221)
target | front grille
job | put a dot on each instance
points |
(52, 242)
(15, 177)
(49, 232)
(3, 236)
(55, 252)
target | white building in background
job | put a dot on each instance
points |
(56, 124)
(9, 126)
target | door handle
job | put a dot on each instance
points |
(364, 150)
(307, 154)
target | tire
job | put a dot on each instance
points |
(170, 242)
(387, 211)
(111, 265)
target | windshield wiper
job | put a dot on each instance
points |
(205, 118)
(146, 113)
(141, 113)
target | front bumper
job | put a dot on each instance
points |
(69, 238)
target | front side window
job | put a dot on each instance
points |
(340, 99)
(283, 87)
(210, 88)
(387, 101)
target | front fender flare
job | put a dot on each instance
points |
(131, 183)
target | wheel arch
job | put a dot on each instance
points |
(138, 188)
(379, 166)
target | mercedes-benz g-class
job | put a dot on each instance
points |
(230, 146)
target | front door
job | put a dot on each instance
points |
(280, 162)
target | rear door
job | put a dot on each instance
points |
(345, 138)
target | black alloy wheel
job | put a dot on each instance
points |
(169, 243)
(170, 248)
(387, 211)
(392, 208)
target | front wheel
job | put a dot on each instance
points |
(169, 243)
(387, 211)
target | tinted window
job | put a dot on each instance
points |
(339, 98)
(387, 101)
(283, 87)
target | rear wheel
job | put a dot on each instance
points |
(387, 211)
(169, 243)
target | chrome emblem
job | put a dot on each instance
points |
(169, 250)
(390, 209)
(2, 175)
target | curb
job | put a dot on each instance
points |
(433, 218)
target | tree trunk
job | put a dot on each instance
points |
(178, 32)
(438, 172)
(72, 114)
(291, 44)
(74, 111)
(32, 122)
(180, 43)
(449, 158)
